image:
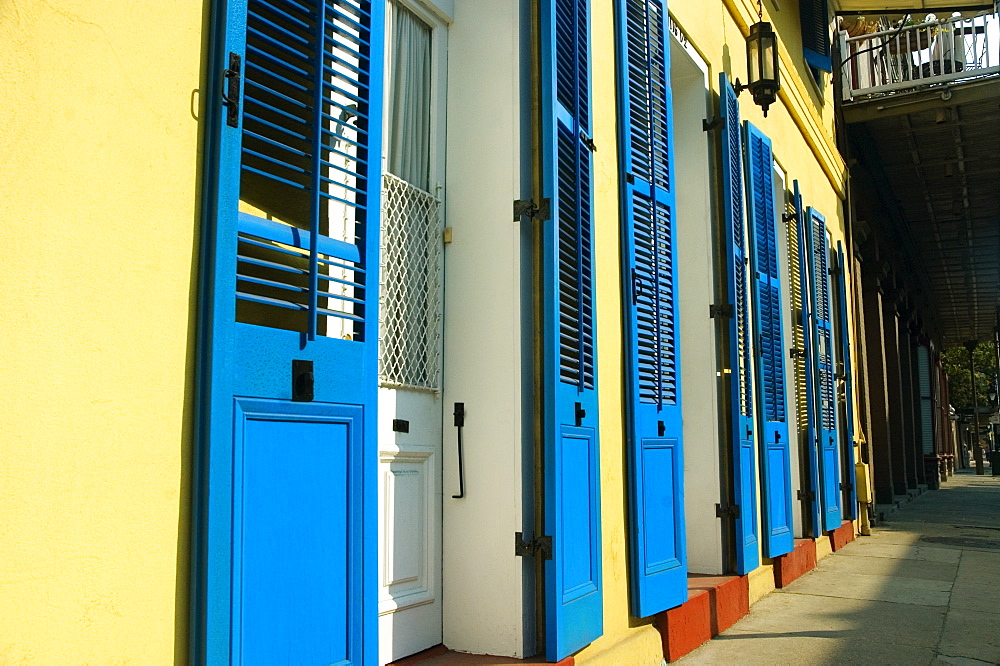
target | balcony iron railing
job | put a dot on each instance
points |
(919, 55)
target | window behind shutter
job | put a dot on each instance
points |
(815, 22)
(775, 454)
(658, 574)
(573, 599)
(740, 336)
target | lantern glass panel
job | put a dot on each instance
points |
(767, 45)
(753, 53)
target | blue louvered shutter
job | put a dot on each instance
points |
(658, 574)
(287, 497)
(926, 400)
(740, 335)
(810, 484)
(845, 358)
(775, 452)
(573, 606)
(815, 23)
(828, 445)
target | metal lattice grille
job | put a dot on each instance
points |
(410, 288)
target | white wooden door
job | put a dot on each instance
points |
(410, 345)
(410, 524)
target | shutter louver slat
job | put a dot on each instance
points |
(304, 161)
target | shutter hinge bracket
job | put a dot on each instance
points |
(527, 207)
(795, 352)
(231, 94)
(731, 510)
(589, 142)
(709, 125)
(523, 548)
(716, 311)
(788, 217)
(806, 495)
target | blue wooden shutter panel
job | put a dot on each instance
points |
(828, 445)
(812, 486)
(740, 342)
(658, 572)
(293, 141)
(573, 597)
(774, 447)
(845, 356)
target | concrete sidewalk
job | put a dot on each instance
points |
(923, 589)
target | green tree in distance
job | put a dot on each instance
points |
(956, 364)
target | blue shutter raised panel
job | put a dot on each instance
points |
(658, 574)
(848, 376)
(740, 338)
(573, 598)
(810, 484)
(772, 413)
(286, 503)
(828, 445)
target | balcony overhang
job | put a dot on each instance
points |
(874, 7)
(932, 157)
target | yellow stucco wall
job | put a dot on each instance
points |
(98, 198)
(800, 125)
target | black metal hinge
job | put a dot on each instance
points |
(806, 495)
(723, 311)
(709, 125)
(731, 510)
(589, 142)
(527, 207)
(231, 96)
(788, 217)
(795, 352)
(523, 548)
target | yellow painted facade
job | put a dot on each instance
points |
(98, 199)
(800, 126)
(99, 129)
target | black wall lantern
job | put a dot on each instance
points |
(762, 65)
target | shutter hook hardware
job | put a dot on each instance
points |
(231, 94)
(709, 125)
